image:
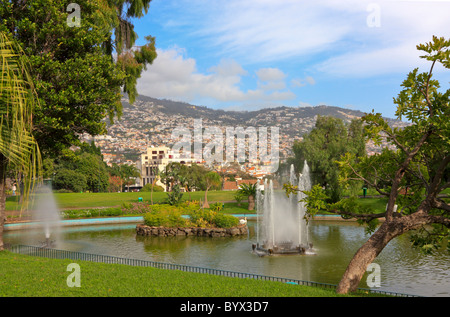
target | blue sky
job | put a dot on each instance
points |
(249, 54)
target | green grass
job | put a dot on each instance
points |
(378, 204)
(92, 200)
(67, 201)
(26, 276)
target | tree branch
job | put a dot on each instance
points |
(401, 172)
(369, 182)
(440, 204)
(440, 219)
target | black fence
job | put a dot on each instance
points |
(80, 256)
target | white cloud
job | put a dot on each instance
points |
(390, 48)
(257, 30)
(326, 32)
(301, 82)
(270, 74)
(271, 79)
(175, 76)
(266, 47)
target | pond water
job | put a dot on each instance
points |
(403, 269)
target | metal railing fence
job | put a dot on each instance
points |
(100, 258)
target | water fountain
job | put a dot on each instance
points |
(46, 214)
(282, 227)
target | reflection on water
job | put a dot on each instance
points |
(403, 269)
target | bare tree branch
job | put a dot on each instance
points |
(374, 185)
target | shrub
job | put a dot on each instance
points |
(88, 213)
(174, 196)
(216, 207)
(165, 219)
(225, 221)
(202, 217)
(135, 208)
(211, 218)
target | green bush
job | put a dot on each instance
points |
(165, 219)
(174, 196)
(89, 213)
(216, 207)
(202, 217)
(225, 221)
(184, 207)
(211, 218)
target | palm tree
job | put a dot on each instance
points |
(19, 152)
(249, 190)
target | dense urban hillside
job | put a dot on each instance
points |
(150, 122)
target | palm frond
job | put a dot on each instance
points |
(17, 98)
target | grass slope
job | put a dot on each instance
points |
(26, 276)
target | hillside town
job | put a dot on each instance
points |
(147, 126)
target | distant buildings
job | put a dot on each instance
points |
(155, 160)
(146, 127)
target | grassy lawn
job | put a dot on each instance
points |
(26, 276)
(67, 201)
(379, 204)
(91, 200)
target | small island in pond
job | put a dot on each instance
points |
(144, 230)
(165, 221)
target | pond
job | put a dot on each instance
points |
(403, 269)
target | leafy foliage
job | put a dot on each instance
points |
(77, 80)
(165, 219)
(174, 197)
(19, 151)
(248, 189)
(324, 145)
(210, 218)
(69, 180)
(416, 171)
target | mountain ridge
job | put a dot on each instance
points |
(260, 117)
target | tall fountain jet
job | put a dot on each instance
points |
(282, 227)
(46, 213)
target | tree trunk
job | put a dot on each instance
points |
(205, 203)
(251, 202)
(2, 199)
(376, 243)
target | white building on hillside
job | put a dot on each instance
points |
(155, 160)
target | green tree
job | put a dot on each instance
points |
(324, 145)
(249, 190)
(48, 168)
(87, 164)
(19, 151)
(78, 72)
(420, 162)
(171, 178)
(127, 173)
(70, 180)
(95, 171)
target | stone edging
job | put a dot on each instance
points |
(144, 230)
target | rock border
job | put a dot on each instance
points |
(145, 230)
